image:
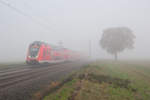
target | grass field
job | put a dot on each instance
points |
(107, 80)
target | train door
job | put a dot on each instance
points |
(46, 53)
(48, 57)
(52, 54)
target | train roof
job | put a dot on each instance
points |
(39, 43)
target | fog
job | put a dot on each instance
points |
(74, 22)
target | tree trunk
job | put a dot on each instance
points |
(116, 56)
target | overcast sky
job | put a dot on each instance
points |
(74, 22)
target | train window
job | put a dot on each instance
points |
(33, 51)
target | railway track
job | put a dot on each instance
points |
(10, 78)
(10, 68)
(24, 66)
(20, 67)
(21, 83)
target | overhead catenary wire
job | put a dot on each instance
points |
(32, 18)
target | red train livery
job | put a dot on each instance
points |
(39, 52)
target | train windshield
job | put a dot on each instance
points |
(33, 51)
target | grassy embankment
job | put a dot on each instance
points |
(107, 80)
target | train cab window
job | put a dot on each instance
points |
(33, 51)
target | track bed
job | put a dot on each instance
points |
(19, 83)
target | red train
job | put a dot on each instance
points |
(39, 52)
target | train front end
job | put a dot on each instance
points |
(33, 53)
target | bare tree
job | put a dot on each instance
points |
(115, 40)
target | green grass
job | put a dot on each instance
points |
(138, 76)
(63, 93)
(120, 94)
(108, 80)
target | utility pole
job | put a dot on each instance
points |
(90, 49)
(60, 43)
